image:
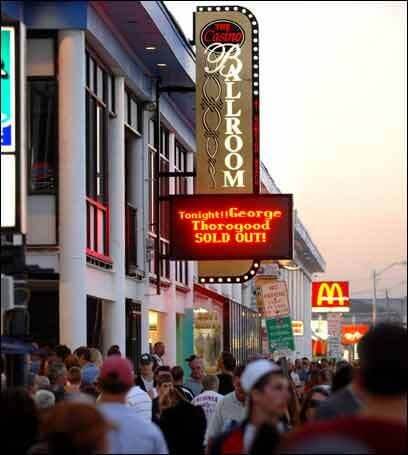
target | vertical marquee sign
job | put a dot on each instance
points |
(8, 128)
(227, 111)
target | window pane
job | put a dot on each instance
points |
(43, 135)
(133, 114)
(126, 108)
(91, 84)
(40, 57)
(99, 90)
(109, 88)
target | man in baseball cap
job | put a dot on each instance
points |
(268, 395)
(132, 433)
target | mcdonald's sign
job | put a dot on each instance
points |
(330, 296)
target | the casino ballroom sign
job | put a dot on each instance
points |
(227, 111)
(227, 122)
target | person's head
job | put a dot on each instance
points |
(41, 382)
(163, 369)
(146, 365)
(89, 374)
(236, 381)
(211, 382)
(314, 366)
(197, 367)
(227, 362)
(298, 364)
(383, 368)
(325, 377)
(159, 349)
(313, 399)
(267, 388)
(324, 363)
(57, 374)
(44, 400)
(62, 352)
(75, 429)
(178, 374)
(114, 350)
(116, 377)
(74, 376)
(72, 361)
(96, 357)
(84, 355)
(20, 414)
(305, 363)
(164, 384)
(314, 378)
(342, 377)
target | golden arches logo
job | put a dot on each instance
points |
(329, 293)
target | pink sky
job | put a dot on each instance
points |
(333, 126)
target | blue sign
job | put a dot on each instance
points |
(8, 89)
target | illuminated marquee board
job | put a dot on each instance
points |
(330, 296)
(222, 227)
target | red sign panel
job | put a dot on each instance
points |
(228, 226)
(352, 333)
(330, 296)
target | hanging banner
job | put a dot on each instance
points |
(280, 335)
(227, 112)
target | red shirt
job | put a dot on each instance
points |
(358, 432)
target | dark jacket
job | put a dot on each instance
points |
(232, 442)
(226, 386)
(184, 427)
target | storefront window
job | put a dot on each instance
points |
(207, 336)
(43, 139)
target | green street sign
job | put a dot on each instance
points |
(280, 334)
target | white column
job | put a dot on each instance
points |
(72, 187)
(143, 200)
(115, 315)
(23, 130)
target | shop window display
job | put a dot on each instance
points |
(207, 337)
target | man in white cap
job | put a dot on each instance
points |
(268, 395)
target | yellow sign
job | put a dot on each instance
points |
(298, 328)
(330, 296)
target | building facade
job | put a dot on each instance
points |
(92, 146)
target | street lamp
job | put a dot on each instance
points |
(375, 277)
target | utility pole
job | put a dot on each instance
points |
(375, 276)
(387, 300)
(374, 309)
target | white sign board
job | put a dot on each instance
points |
(334, 321)
(319, 328)
(275, 302)
(334, 347)
(298, 328)
(8, 191)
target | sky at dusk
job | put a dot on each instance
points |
(333, 81)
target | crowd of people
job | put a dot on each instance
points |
(83, 403)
